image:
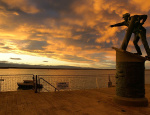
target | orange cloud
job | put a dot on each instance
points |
(106, 34)
(142, 5)
(78, 32)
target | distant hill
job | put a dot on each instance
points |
(26, 66)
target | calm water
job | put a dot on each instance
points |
(77, 79)
(55, 72)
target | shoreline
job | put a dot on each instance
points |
(54, 68)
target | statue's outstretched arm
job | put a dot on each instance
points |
(118, 24)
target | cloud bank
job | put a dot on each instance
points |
(68, 30)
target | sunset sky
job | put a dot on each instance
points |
(66, 32)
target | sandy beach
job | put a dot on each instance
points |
(79, 102)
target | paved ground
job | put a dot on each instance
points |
(81, 102)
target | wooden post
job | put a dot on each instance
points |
(33, 82)
(39, 84)
(36, 84)
(109, 82)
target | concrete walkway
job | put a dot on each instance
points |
(81, 102)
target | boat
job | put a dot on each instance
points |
(28, 84)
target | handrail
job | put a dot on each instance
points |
(48, 83)
(46, 89)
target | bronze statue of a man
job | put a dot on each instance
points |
(138, 30)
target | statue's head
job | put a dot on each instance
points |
(126, 16)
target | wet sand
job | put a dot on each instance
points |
(79, 102)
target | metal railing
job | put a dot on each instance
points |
(51, 82)
(10, 82)
(48, 83)
(77, 82)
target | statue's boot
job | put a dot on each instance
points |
(147, 58)
(138, 53)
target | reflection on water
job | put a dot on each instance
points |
(78, 79)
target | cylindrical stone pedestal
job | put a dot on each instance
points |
(130, 82)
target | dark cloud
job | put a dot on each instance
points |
(7, 48)
(3, 61)
(47, 9)
(88, 43)
(45, 61)
(75, 58)
(15, 58)
(34, 45)
(2, 44)
(54, 5)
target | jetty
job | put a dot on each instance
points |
(78, 102)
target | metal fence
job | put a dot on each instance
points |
(61, 82)
(9, 82)
(75, 82)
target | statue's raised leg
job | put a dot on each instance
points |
(135, 42)
(142, 35)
